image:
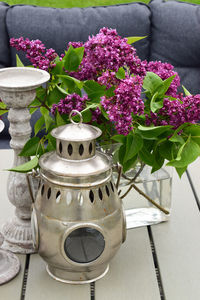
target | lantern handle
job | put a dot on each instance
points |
(78, 113)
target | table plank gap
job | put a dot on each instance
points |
(177, 244)
(132, 273)
(193, 177)
(41, 286)
(25, 277)
(92, 290)
(156, 265)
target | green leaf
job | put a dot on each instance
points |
(122, 151)
(158, 160)
(48, 121)
(133, 39)
(166, 84)
(187, 153)
(133, 145)
(177, 139)
(119, 138)
(80, 52)
(146, 156)
(70, 80)
(165, 150)
(71, 59)
(187, 93)
(59, 120)
(44, 111)
(194, 131)
(27, 167)
(129, 164)
(55, 95)
(64, 92)
(3, 108)
(94, 89)
(39, 124)
(152, 82)
(19, 63)
(58, 69)
(153, 131)
(31, 146)
(155, 105)
(120, 73)
(110, 92)
(180, 171)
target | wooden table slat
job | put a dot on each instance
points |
(41, 286)
(177, 244)
(132, 274)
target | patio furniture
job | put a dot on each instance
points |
(156, 260)
(172, 30)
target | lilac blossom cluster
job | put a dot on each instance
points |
(126, 101)
(36, 52)
(66, 105)
(107, 51)
(164, 71)
(176, 112)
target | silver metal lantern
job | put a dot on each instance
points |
(78, 220)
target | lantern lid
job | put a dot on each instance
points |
(77, 132)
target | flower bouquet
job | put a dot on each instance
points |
(137, 104)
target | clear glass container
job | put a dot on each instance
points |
(158, 186)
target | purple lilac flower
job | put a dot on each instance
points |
(73, 101)
(124, 103)
(108, 51)
(108, 78)
(164, 71)
(36, 52)
(177, 112)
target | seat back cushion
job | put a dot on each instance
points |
(57, 26)
(175, 38)
(5, 59)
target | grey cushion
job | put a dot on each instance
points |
(175, 38)
(54, 26)
(5, 60)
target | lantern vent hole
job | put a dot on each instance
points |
(49, 193)
(42, 190)
(70, 149)
(112, 187)
(90, 148)
(100, 194)
(91, 196)
(107, 191)
(60, 147)
(58, 196)
(81, 149)
(68, 198)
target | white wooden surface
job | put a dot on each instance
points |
(132, 273)
(178, 244)
(11, 290)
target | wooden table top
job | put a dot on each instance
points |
(156, 262)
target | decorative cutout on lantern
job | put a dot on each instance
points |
(76, 222)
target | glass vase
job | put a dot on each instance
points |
(157, 186)
(148, 202)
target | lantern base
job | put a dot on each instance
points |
(18, 236)
(76, 277)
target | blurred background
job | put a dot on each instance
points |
(80, 3)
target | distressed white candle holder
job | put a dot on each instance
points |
(17, 91)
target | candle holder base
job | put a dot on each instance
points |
(18, 236)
